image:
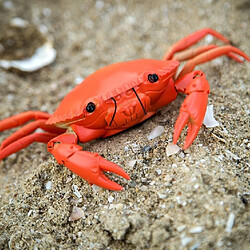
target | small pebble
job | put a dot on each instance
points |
(230, 222)
(209, 38)
(162, 196)
(144, 188)
(156, 132)
(185, 241)
(131, 163)
(196, 230)
(76, 192)
(172, 149)
(158, 171)
(76, 214)
(48, 185)
(19, 22)
(96, 188)
(132, 183)
(146, 149)
(119, 206)
(182, 155)
(110, 199)
(181, 228)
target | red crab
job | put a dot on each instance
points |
(117, 97)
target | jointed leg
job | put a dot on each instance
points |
(19, 119)
(28, 129)
(24, 142)
(193, 52)
(208, 56)
(190, 40)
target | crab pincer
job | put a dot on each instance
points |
(87, 165)
(193, 109)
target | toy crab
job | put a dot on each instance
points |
(117, 97)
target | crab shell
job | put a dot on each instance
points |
(110, 82)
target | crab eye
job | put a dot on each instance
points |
(90, 107)
(153, 78)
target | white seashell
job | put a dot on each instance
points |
(42, 57)
(209, 120)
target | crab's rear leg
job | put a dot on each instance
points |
(208, 56)
(19, 119)
(193, 109)
(193, 52)
(28, 129)
(192, 39)
(24, 142)
(89, 166)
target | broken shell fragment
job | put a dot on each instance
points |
(42, 57)
(23, 46)
(172, 149)
(77, 213)
(157, 131)
(209, 120)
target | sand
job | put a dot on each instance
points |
(195, 199)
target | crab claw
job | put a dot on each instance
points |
(192, 111)
(89, 166)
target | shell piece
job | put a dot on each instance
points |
(172, 149)
(157, 131)
(209, 120)
(108, 82)
(77, 213)
(43, 56)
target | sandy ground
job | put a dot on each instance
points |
(184, 201)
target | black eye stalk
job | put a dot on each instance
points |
(153, 78)
(90, 107)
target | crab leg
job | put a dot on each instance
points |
(87, 165)
(193, 52)
(193, 109)
(208, 56)
(19, 119)
(24, 142)
(28, 129)
(192, 39)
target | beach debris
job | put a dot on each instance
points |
(172, 149)
(181, 228)
(185, 240)
(196, 230)
(131, 163)
(158, 171)
(230, 222)
(48, 185)
(231, 155)
(110, 199)
(19, 22)
(24, 46)
(76, 192)
(209, 120)
(77, 213)
(95, 188)
(42, 57)
(156, 132)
